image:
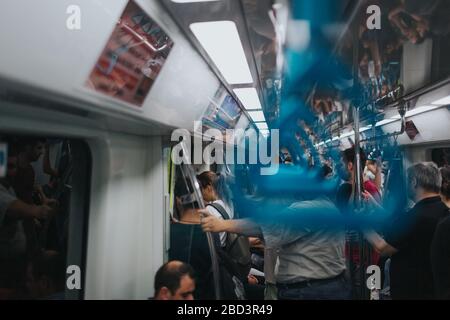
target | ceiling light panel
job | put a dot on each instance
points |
(249, 98)
(443, 102)
(257, 116)
(189, 1)
(221, 41)
(262, 126)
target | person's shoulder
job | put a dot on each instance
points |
(370, 186)
(344, 188)
(225, 207)
(432, 207)
(212, 210)
(445, 222)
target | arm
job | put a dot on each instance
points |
(379, 244)
(371, 200)
(44, 200)
(394, 17)
(244, 226)
(20, 210)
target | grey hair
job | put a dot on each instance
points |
(427, 176)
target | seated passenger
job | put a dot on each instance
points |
(175, 280)
(409, 240)
(440, 248)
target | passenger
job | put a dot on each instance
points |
(46, 187)
(215, 195)
(311, 259)
(369, 183)
(347, 172)
(30, 150)
(445, 188)
(374, 177)
(12, 214)
(409, 243)
(256, 278)
(345, 200)
(440, 247)
(218, 199)
(175, 280)
(193, 248)
(46, 276)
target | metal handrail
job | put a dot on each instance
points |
(189, 172)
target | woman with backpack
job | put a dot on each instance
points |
(189, 243)
(235, 253)
(217, 198)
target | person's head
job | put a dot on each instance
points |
(208, 185)
(423, 179)
(348, 167)
(445, 187)
(46, 274)
(32, 148)
(175, 280)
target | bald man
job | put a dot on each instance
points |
(175, 280)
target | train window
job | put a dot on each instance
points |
(43, 215)
(441, 156)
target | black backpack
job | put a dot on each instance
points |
(236, 250)
(189, 244)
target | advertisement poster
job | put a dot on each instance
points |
(132, 57)
(223, 113)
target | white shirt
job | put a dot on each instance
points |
(214, 212)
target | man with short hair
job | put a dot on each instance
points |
(440, 247)
(175, 280)
(409, 243)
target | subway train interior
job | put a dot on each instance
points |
(262, 149)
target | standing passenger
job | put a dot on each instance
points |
(311, 258)
(409, 244)
(440, 248)
(216, 197)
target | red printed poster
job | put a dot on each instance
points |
(132, 58)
